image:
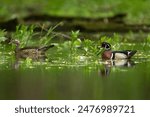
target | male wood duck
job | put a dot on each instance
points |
(109, 54)
(30, 52)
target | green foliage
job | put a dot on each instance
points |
(24, 34)
(46, 39)
(114, 40)
(75, 49)
(89, 47)
(78, 47)
(72, 51)
(2, 35)
(137, 10)
(146, 44)
(28, 62)
(75, 42)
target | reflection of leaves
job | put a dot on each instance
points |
(28, 61)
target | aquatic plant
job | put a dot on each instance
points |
(24, 34)
(2, 35)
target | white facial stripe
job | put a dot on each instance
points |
(112, 55)
(129, 53)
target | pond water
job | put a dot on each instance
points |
(85, 79)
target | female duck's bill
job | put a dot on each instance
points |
(109, 54)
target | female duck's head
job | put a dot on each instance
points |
(106, 46)
(16, 42)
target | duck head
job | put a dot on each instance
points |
(106, 52)
(16, 42)
(106, 46)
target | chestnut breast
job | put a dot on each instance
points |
(106, 55)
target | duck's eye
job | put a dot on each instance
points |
(107, 46)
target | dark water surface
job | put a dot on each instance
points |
(76, 82)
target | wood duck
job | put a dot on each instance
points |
(30, 52)
(108, 54)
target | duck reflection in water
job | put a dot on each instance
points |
(109, 64)
(34, 53)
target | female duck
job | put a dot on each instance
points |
(109, 54)
(30, 52)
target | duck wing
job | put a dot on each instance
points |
(45, 48)
(125, 54)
